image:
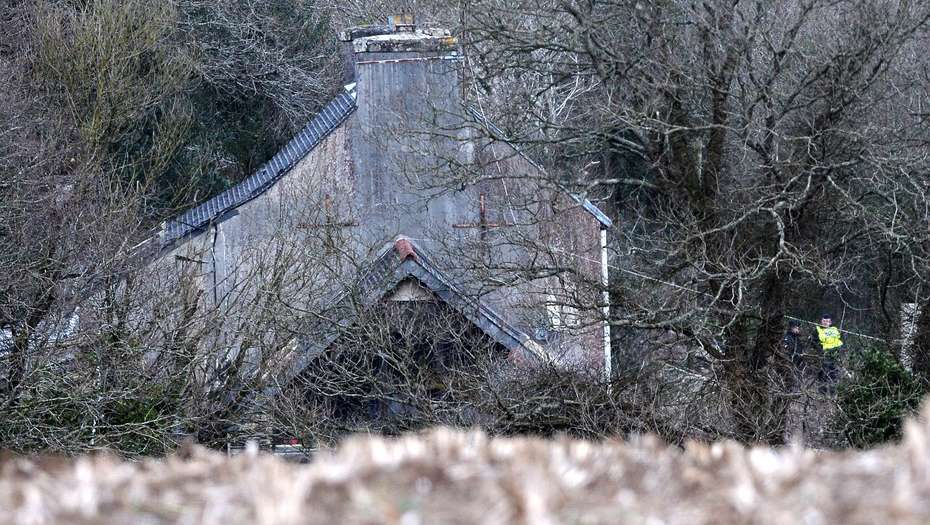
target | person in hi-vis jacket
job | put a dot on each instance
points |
(829, 340)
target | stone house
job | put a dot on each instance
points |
(398, 191)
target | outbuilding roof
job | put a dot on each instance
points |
(396, 262)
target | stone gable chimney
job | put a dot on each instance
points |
(406, 74)
(409, 120)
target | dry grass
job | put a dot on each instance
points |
(454, 477)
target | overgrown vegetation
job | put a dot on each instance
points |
(181, 99)
(877, 398)
(764, 158)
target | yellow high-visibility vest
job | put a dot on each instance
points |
(829, 337)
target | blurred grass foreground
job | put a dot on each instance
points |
(444, 476)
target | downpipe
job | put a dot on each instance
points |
(605, 298)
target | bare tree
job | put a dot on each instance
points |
(752, 148)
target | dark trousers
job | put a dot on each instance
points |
(797, 369)
(829, 372)
(797, 362)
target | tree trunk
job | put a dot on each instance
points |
(920, 350)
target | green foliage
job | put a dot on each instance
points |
(141, 422)
(876, 399)
(181, 100)
(112, 68)
(72, 413)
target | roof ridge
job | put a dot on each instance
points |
(324, 122)
(405, 248)
(397, 260)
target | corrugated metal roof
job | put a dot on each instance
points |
(498, 133)
(322, 124)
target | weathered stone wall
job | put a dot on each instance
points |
(292, 213)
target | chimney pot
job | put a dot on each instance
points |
(402, 24)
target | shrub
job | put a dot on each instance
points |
(874, 402)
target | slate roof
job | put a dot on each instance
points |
(396, 262)
(323, 123)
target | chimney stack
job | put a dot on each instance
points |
(398, 41)
(408, 117)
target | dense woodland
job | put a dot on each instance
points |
(761, 160)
